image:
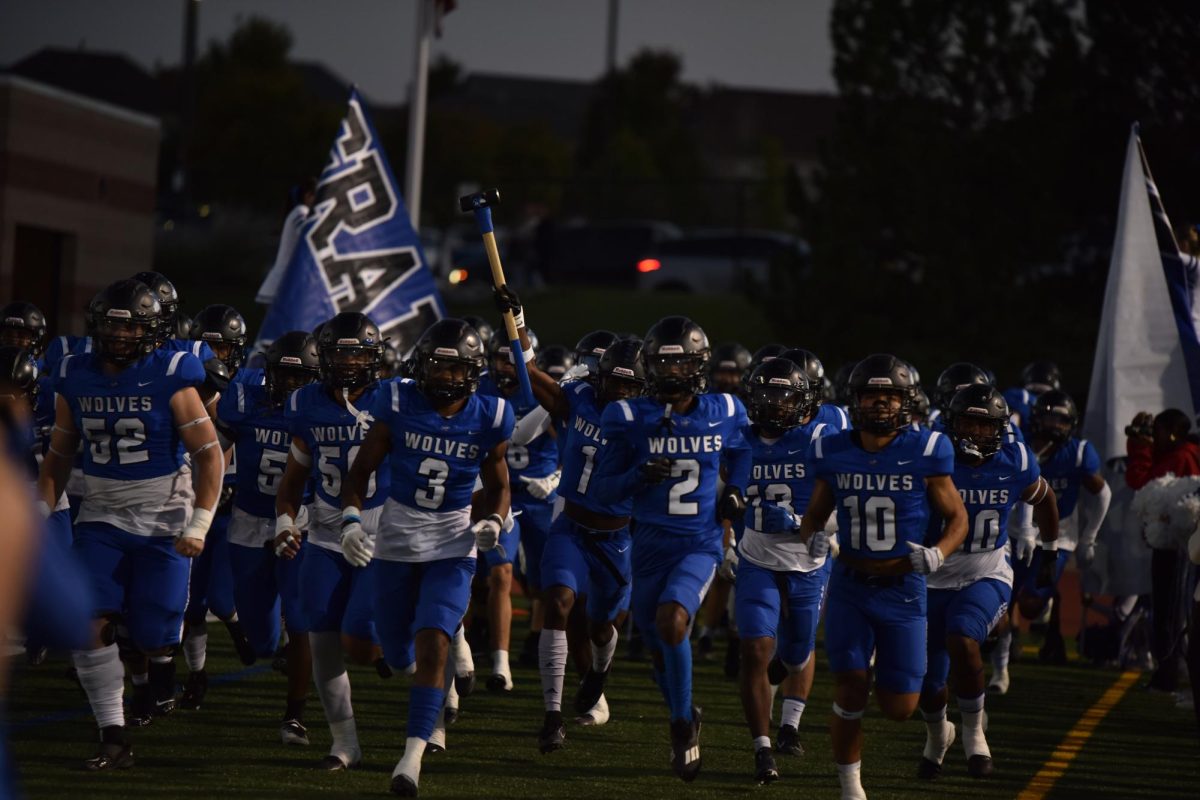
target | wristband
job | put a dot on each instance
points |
(351, 514)
(198, 525)
(518, 318)
(528, 354)
(1050, 546)
(283, 522)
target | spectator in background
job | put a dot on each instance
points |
(1156, 446)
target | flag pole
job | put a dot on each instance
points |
(416, 111)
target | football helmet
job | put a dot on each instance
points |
(955, 378)
(482, 327)
(555, 360)
(976, 420)
(19, 369)
(590, 348)
(448, 360)
(622, 373)
(351, 351)
(223, 329)
(676, 355)
(886, 374)
(292, 361)
(503, 369)
(1054, 416)
(125, 320)
(729, 367)
(168, 300)
(1041, 376)
(23, 325)
(781, 395)
(812, 366)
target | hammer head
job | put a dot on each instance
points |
(485, 199)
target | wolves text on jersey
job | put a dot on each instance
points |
(427, 443)
(859, 482)
(682, 445)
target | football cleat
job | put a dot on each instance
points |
(465, 684)
(999, 682)
(403, 786)
(194, 690)
(929, 769)
(553, 734)
(979, 766)
(591, 688)
(499, 682)
(765, 770)
(115, 751)
(292, 731)
(596, 715)
(787, 741)
(339, 762)
(437, 739)
(141, 707)
(685, 747)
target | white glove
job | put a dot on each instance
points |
(357, 547)
(819, 544)
(1024, 545)
(925, 560)
(834, 548)
(487, 534)
(729, 565)
(575, 373)
(541, 488)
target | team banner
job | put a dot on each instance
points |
(357, 250)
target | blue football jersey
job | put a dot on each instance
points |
(125, 419)
(434, 459)
(1020, 401)
(264, 437)
(834, 417)
(581, 446)
(989, 492)
(196, 347)
(537, 459)
(1066, 467)
(780, 474)
(697, 443)
(880, 497)
(333, 435)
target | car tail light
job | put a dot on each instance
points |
(649, 265)
(457, 275)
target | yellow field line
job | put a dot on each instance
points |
(1056, 766)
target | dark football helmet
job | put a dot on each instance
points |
(555, 360)
(23, 325)
(391, 362)
(502, 368)
(351, 349)
(622, 373)
(448, 361)
(19, 370)
(976, 420)
(729, 367)
(676, 355)
(812, 366)
(222, 328)
(292, 361)
(168, 300)
(881, 373)
(590, 348)
(125, 320)
(1041, 376)
(954, 379)
(781, 396)
(920, 405)
(841, 384)
(1053, 417)
(183, 325)
(482, 327)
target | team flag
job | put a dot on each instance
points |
(357, 249)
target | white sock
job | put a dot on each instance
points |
(552, 663)
(850, 776)
(974, 742)
(329, 676)
(345, 741)
(451, 693)
(760, 742)
(103, 678)
(464, 664)
(793, 709)
(139, 678)
(602, 654)
(500, 663)
(1000, 651)
(410, 763)
(937, 735)
(194, 651)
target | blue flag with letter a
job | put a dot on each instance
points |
(357, 249)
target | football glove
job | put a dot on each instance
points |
(1085, 554)
(925, 560)
(777, 519)
(1024, 545)
(732, 506)
(655, 471)
(506, 301)
(357, 547)
(1048, 566)
(487, 534)
(575, 373)
(729, 565)
(819, 544)
(541, 488)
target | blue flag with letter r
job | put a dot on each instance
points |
(357, 249)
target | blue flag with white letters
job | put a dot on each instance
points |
(357, 249)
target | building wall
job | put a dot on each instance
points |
(77, 186)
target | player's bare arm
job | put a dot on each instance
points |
(945, 500)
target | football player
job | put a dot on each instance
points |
(972, 590)
(1037, 378)
(330, 420)
(780, 584)
(440, 434)
(140, 522)
(728, 368)
(882, 477)
(950, 382)
(24, 325)
(251, 416)
(665, 450)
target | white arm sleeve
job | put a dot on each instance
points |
(531, 426)
(1093, 508)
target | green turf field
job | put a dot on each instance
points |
(1144, 748)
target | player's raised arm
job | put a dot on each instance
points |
(56, 465)
(199, 438)
(945, 500)
(546, 390)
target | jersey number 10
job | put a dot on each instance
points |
(874, 526)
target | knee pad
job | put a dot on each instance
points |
(847, 715)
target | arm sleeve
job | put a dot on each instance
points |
(531, 426)
(616, 475)
(1092, 508)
